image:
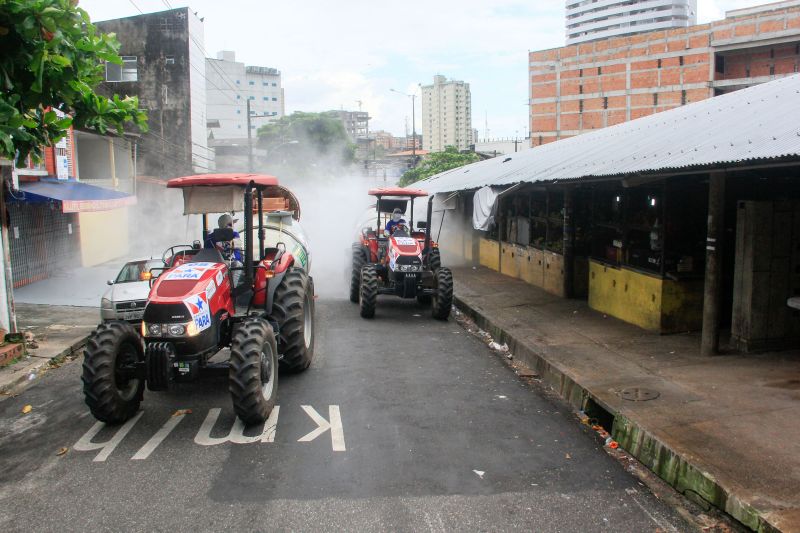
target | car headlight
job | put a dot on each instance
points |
(105, 303)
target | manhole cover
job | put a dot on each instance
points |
(638, 394)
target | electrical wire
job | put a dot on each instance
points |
(137, 7)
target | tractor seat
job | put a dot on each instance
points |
(207, 255)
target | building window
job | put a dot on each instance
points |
(274, 99)
(264, 84)
(237, 82)
(238, 97)
(127, 71)
(252, 98)
(169, 60)
(655, 98)
(274, 84)
(605, 102)
(580, 106)
(265, 98)
(252, 82)
(683, 97)
(659, 63)
(238, 111)
(599, 70)
(680, 60)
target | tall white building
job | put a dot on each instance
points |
(446, 115)
(228, 87)
(590, 20)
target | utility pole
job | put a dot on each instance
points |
(249, 140)
(413, 124)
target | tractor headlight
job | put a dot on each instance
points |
(191, 329)
(176, 330)
(153, 330)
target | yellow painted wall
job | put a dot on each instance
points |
(554, 273)
(490, 251)
(682, 306)
(104, 236)
(508, 263)
(625, 294)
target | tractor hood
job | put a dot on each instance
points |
(186, 280)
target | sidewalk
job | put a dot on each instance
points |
(59, 331)
(722, 429)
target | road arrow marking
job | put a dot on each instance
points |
(335, 427)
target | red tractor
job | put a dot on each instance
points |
(203, 301)
(395, 259)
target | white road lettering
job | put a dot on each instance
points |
(335, 427)
(85, 443)
(145, 451)
(236, 434)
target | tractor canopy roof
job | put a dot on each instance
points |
(397, 191)
(222, 180)
(220, 193)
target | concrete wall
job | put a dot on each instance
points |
(652, 303)
(104, 236)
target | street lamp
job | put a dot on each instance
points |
(413, 124)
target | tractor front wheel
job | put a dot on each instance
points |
(369, 291)
(435, 260)
(442, 294)
(293, 310)
(253, 371)
(110, 387)
(355, 275)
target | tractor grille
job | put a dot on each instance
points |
(166, 313)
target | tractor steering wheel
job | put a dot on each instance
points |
(171, 252)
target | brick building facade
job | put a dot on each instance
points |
(593, 85)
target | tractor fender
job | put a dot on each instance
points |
(286, 261)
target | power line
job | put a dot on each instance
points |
(137, 7)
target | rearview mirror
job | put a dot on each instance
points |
(422, 224)
(110, 282)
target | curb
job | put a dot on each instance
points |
(18, 383)
(672, 467)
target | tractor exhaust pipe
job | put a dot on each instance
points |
(248, 232)
(427, 248)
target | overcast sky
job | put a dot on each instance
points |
(332, 53)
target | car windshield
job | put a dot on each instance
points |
(134, 271)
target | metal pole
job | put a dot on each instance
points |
(249, 140)
(260, 225)
(709, 344)
(413, 130)
(6, 180)
(569, 244)
(248, 235)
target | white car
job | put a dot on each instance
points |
(127, 296)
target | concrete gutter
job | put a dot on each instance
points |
(675, 468)
(16, 378)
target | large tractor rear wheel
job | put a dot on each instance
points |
(253, 371)
(111, 391)
(369, 291)
(355, 275)
(442, 294)
(293, 310)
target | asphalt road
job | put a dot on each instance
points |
(436, 434)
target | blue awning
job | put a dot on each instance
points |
(75, 196)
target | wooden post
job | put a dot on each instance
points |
(709, 344)
(569, 244)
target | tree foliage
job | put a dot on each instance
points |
(52, 59)
(437, 162)
(316, 134)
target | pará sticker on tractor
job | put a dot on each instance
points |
(198, 307)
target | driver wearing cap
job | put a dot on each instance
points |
(230, 250)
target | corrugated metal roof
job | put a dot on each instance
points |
(757, 123)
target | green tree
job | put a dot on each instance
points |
(317, 134)
(52, 60)
(437, 162)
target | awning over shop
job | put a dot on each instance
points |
(75, 196)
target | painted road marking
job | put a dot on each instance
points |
(85, 443)
(236, 434)
(334, 426)
(145, 451)
(203, 437)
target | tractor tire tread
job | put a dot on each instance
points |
(244, 373)
(443, 294)
(369, 291)
(289, 312)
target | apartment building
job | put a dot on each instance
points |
(590, 20)
(229, 85)
(446, 115)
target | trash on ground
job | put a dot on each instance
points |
(27, 409)
(499, 347)
(480, 473)
(62, 451)
(567, 456)
(180, 412)
(526, 373)
(31, 376)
